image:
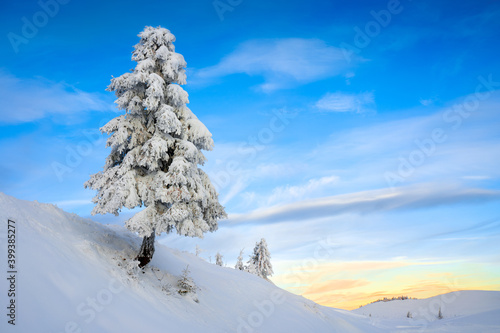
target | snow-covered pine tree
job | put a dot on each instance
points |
(250, 267)
(186, 283)
(261, 260)
(156, 149)
(218, 259)
(239, 262)
(197, 250)
(440, 314)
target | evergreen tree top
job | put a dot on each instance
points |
(156, 147)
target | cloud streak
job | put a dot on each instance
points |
(27, 100)
(283, 63)
(362, 156)
(289, 193)
(346, 102)
(349, 284)
(367, 202)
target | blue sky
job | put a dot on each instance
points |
(368, 130)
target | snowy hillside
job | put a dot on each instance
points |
(74, 275)
(462, 311)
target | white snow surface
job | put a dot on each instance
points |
(473, 311)
(74, 275)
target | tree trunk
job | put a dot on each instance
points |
(147, 250)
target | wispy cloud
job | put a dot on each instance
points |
(477, 24)
(361, 157)
(347, 102)
(291, 193)
(328, 283)
(26, 100)
(68, 204)
(314, 187)
(427, 102)
(477, 177)
(367, 202)
(283, 63)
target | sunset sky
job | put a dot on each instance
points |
(360, 138)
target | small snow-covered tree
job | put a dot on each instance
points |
(218, 259)
(198, 250)
(186, 283)
(239, 262)
(261, 260)
(156, 149)
(440, 314)
(250, 267)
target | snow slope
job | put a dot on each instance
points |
(76, 275)
(463, 311)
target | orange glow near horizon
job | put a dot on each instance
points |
(348, 285)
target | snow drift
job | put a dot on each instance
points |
(471, 311)
(76, 275)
